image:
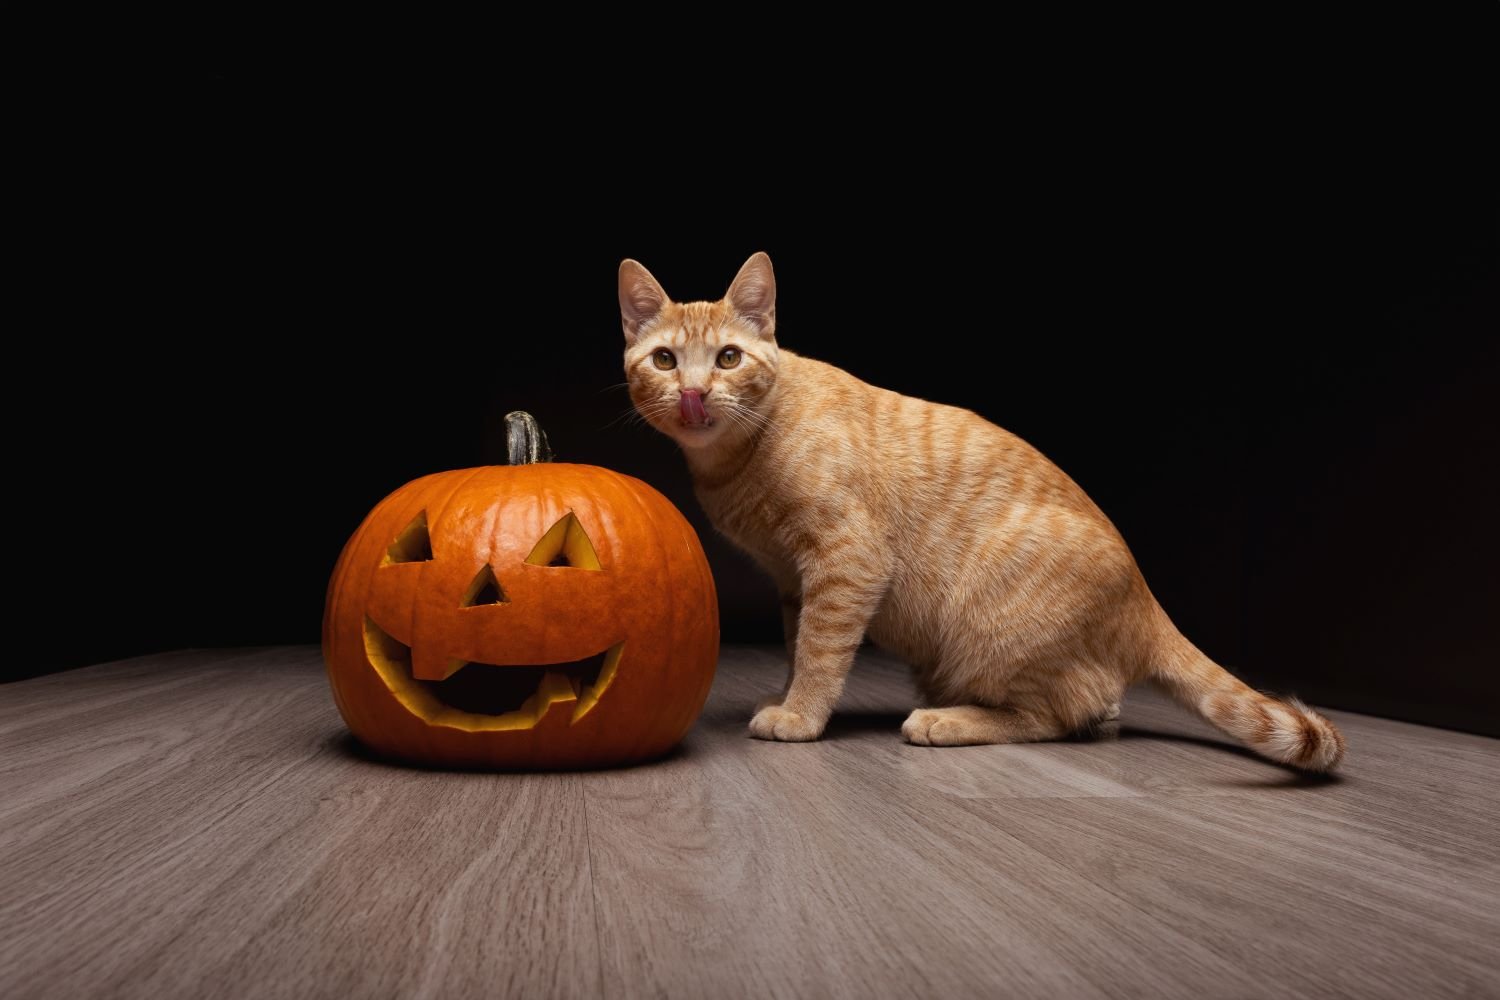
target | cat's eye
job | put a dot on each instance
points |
(729, 357)
(665, 360)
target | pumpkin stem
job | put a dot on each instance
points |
(525, 441)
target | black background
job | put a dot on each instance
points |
(1257, 323)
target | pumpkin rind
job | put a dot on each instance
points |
(652, 592)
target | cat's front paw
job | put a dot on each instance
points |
(775, 723)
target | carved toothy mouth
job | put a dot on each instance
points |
(486, 696)
(492, 689)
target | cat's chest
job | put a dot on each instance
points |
(737, 513)
(753, 519)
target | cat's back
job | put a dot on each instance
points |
(909, 453)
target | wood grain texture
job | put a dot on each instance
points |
(198, 823)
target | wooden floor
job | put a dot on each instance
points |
(198, 825)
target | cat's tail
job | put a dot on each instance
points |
(1283, 730)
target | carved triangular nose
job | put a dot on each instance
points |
(485, 589)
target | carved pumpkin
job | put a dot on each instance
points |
(532, 615)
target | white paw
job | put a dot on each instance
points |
(775, 723)
(914, 729)
(943, 727)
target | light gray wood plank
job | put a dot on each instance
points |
(1282, 887)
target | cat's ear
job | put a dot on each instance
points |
(641, 297)
(753, 294)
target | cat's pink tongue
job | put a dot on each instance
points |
(691, 408)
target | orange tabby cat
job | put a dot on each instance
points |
(942, 537)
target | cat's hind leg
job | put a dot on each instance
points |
(1045, 698)
(972, 725)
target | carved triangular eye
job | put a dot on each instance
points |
(565, 544)
(484, 590)
(412, 545)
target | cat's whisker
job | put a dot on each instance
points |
(639, 415)
(744, 416)
(754, 415)
(624, 416)
(643, 414)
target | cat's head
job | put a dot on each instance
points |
(700, 371)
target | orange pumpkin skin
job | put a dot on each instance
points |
(651, 603)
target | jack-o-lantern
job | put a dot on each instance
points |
(534, 615)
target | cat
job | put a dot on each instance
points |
(936, 534)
